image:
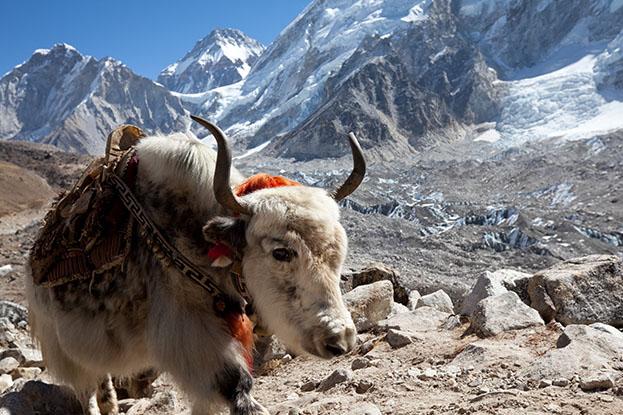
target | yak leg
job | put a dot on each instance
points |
(66, 369)
(107, 397)
(234, 384)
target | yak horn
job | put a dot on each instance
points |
(222, 187)
(358, 173)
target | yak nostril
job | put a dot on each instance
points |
(335, 349)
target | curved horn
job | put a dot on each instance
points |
(222, 188)
(358, 173)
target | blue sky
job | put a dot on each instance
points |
(145, 35)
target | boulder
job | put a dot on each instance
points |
(581, 350)
(580, 291)
(36, 397)
(503, 312)
(377, 272)
(438, 300)
(368, 304)
(414, 296)
(495, 283)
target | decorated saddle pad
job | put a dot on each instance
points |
(87, 230)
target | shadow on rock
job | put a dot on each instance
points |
(36, 397)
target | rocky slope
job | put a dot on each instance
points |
(500, 357)
(400, 93)
(61, 97)
(222, 58)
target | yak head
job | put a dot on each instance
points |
(292, 248)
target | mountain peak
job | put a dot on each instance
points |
(223, 57)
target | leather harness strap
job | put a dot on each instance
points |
(163, 250)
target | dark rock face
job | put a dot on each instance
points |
(72, 101)
(609, 67)
(411, 90)
(223, 57)
(519, 34)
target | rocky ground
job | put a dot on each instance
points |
(496, 355)
(445, 220)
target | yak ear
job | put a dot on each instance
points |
(230, 231)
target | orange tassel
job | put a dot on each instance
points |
(263, 181)
(242, 330)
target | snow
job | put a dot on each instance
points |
(479, 8)
(615, 5)
(41, 52)
(254, 150)
(489, 136)
(5, 270)
(439, 55)
(561, 104)
(416, 14)
(323, 36)
(543, 4)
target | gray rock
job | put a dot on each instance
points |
(163, 403)
(599, 381)
(363, 386)
(398, 308)
(36, 397)
(580, 291)
(8, 365)
(31, 358)
(414, 296)
(438, 300)
(368, 304)
(607, 329)
(397, 338)
(560, 382)
(422, 319)
(378, 272)
(309, 386)
(581, 350)
(365, 408)
(503, 312)
(6, 381)
(495, 283)
(360, 363)
(338, 376)
(273, 349)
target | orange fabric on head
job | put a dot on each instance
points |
(262, 181)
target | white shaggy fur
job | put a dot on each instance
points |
(148, 316)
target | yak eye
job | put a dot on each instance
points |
(283, 254)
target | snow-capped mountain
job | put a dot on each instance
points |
(223, 57)
(407, 73)
(287, 83)
(402, 74)
(560, 62)
(61, 97)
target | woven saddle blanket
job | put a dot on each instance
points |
(88, 230)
